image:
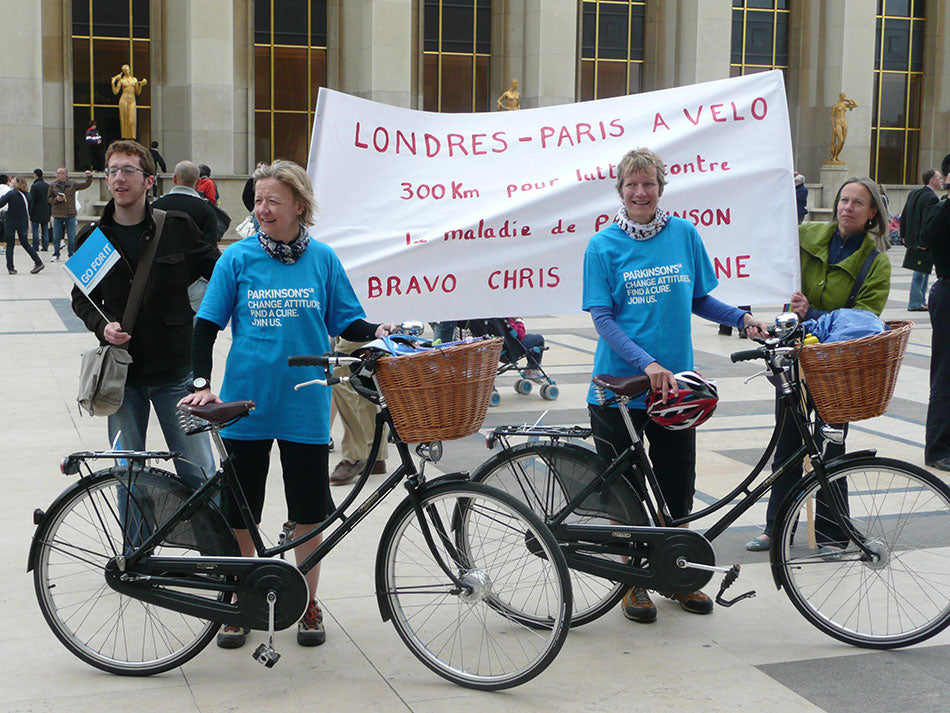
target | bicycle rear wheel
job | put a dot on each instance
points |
(505, 557)
(546, 477)
(97, 519)
(903, 514)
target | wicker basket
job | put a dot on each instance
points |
(441, 394)
(854, 380)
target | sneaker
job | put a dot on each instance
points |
(831, 552)
(37, 268)
(12, 272)
(637, 605)
(694, 602)
(346, 472)
(533, 375)
(232, 637)
(310, 631)
(759, 544)
(55, 258)
(725, 330)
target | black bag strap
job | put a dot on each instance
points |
(859, 280)
(141, 274)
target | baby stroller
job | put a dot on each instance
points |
(513, 353)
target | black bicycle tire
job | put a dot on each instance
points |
(216, 536)
(394, 533)
(581, 582)
(848, 571)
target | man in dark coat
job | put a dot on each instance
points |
(160, 341)
(936, 238)
(40, 210)
(917, 257)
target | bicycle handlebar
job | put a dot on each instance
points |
(748, 355)
(308, 360)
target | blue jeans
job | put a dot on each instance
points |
(918, 290)
(70, 226)
(132, 421)
(38, 230)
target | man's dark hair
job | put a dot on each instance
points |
(3, 179)
(38, 172)
(154, 144)
(204, 170)
(146, 162)
(928, 174)
(945, 165)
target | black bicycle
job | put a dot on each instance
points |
(134, 571)
(885, 585)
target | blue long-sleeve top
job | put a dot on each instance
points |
(707, 307)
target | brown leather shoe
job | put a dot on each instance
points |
(379, 468)
(346, 472)
(694, 602)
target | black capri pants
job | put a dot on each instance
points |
(306, 475)
(672, 453)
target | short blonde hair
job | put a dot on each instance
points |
(296, 179)
(641, 159)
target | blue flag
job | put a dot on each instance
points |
(92, 261)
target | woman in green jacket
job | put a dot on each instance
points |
(833, 256)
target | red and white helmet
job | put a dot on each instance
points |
(694, 404)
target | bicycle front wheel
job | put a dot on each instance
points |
(96, 520)
(899, 597)
(505, 558)
(547, 477)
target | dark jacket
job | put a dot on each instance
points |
(161, 337)
(66, 208)
(801, 199)
(18, 209)
(159, 161)
(195, 206)
(39, 194)
(912, 225)
(936, 237)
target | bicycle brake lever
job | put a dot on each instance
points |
(764, 372)
(322, 382)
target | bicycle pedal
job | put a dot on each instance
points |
(266, 655)
(731, 576)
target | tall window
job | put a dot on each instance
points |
(290, 66)
(898, 75)
(456, 54)
(759, 36)
(107, 34)
(611, 48)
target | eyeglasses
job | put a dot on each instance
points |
(127, 170)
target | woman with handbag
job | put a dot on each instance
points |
(843, 266)
(18, 223)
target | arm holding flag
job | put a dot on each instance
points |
(91, 262)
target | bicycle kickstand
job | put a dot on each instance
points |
(731, 576)
(265, 653)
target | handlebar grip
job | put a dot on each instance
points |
(308, 360)
(748, 355)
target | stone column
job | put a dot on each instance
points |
(686, 42)
(200, 119)
(378, 57)
(22, 114)
(831, 50)
(935, 99)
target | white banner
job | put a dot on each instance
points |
(450, 216)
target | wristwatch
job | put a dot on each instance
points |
(198, 384)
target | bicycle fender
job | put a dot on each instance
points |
(786, 504)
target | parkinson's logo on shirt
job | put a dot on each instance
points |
(645, 285)
(269, 307)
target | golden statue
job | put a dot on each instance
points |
(839, 127)
(130, 87)
(510, 99)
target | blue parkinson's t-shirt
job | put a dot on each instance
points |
(650, 286)
(276, 311)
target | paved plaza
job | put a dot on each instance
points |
(760, 655)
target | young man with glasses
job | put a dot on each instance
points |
(160, 344)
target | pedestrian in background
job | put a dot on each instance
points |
(62, 198)
(39, 211)
(18, 223)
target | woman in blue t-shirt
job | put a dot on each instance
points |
(644, 276)
(283, 294)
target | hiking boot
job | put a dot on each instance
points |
(694, 602)
(310, 631)
(637, 605)
(232, 637)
